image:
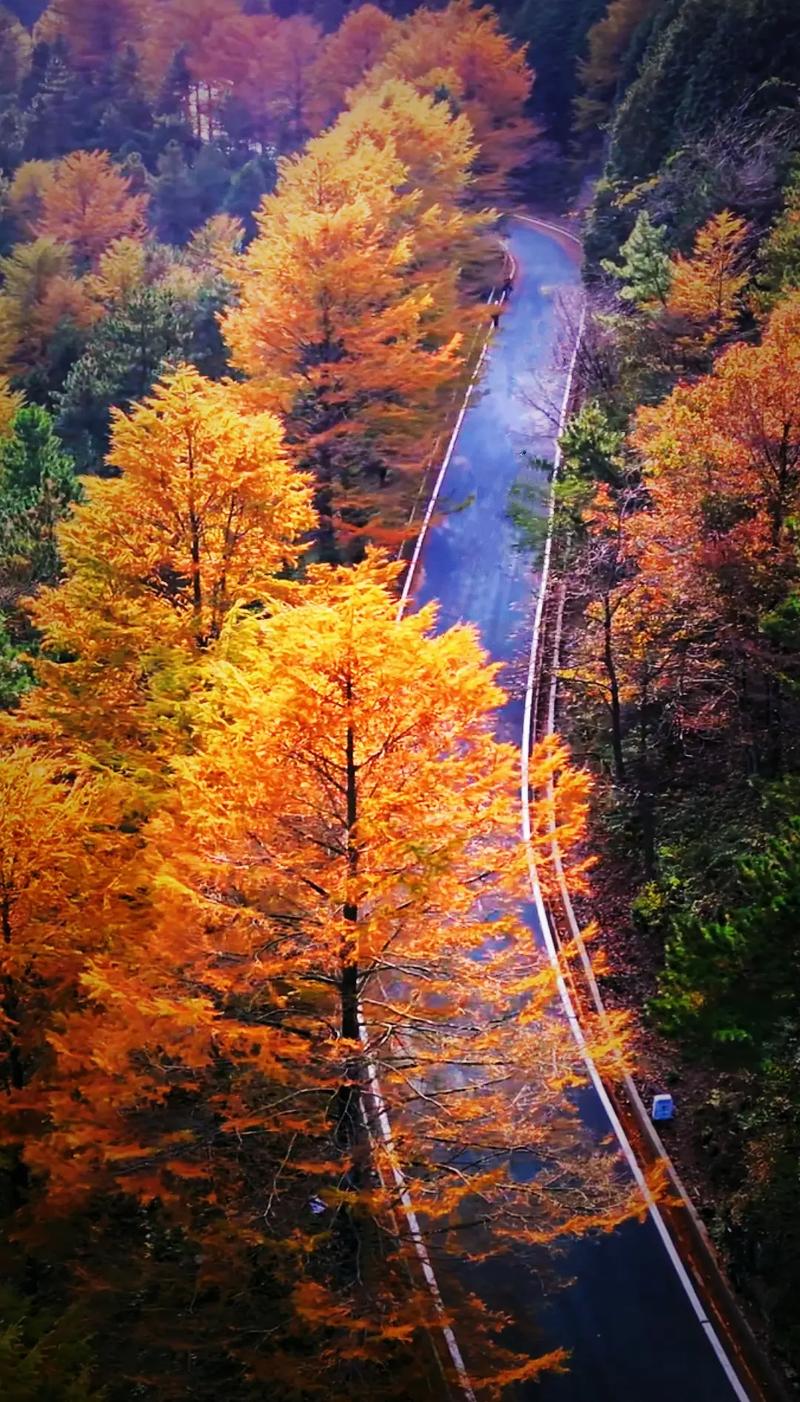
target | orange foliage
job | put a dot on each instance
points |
(332, 328)
(207, 511)
(342, 843)
(713, 550)
(39, 291)
(88, 204)
(705, 289)
(362, 40)
(93, 29)
(59, 856)
(463, 51)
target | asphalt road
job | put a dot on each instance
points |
(621, 1311)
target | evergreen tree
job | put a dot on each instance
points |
(37, 486)
(250, 183)
(173, 209)
(122, 361)
(644, 270)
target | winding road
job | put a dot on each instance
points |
(634, 1332)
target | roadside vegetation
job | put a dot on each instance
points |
(258, 845)
(678, 510)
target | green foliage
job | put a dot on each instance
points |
(16, 673)
(696, 68)
(255, 179)
(591, 445)
(644, 268)
(43, 1358)
(37, 486)
(556, 37)
(736, 977)
(127, 352)
(779, 256)
(125, 356)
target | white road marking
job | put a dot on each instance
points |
(574, 1024)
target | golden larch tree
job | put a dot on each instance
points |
(39, 290)
(88, 204)
(706, 288)
(335, 333)
(335, 908)
(463, 52)
(206, 512)
(362, 40)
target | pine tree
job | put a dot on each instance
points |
(645, 271)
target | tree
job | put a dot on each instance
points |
(731, 979)
(96, 30)
(645, 271)
(361, 41)
(206, 512)
(11, 401)
(174, 206)
(464, 52)
(26, 194)
(56, 842)
(125, 354)
(599, 72)
(89, 204)
(40, 299)
(249, 184)
(779, 254)
(37, 488)
(452, 249)
(706, 288)
(335, 334)
(722, 470)
(555, 36)
(303, 880)
(121, 271)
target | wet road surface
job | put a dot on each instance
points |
(631, 1331)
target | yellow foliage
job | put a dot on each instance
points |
(121, 269)
(463, 51)
(88, 204)
(38, 291)
(11, 401)
(706, 288)
(26, 193)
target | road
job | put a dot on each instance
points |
(623, 1312)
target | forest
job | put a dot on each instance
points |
(275, 1038)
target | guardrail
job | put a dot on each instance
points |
(679, 1224)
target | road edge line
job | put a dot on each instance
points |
(547, 933)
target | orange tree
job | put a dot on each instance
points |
(715, 549)
(335, 332)
(706, 289)
(206, 513)
(333, 896)
(87, 203)
(362, 40)
(463, 52)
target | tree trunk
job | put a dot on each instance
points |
(349, 1124)
(646, 801)
(16, 1075)
(613, 682)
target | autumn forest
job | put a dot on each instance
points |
(335, 990)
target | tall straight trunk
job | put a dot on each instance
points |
(18, 1176)
(348, 1111)
(646, 800)
(15, 1075)
(613, 682)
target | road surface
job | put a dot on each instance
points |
(624, 1316)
